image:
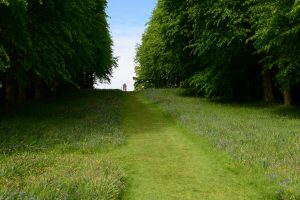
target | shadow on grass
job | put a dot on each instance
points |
(75, 119)
(278, 109)
(291, 112)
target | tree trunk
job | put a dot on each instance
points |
(82, 80)
(37, 88)
(9, 89)
(90, 80)
(87, 80)
(54, 91)
(248, 90)
(267, 87)
(287, 97)
(22, 95)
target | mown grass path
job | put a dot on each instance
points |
(163, 161)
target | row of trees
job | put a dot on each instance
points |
(48, 44)
(243, 50)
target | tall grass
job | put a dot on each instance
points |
(52, 149)
(267, 137)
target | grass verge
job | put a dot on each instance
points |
(52, 149)
(165, 161)
(255, 136)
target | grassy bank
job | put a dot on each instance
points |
(51, 149)
(74, 147)
(255, 136)
(163, 161)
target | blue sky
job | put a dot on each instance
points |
(127, 20)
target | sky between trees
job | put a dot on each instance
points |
(127, 21)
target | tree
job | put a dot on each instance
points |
(53, 43)
(242, 50)
(4, 61)
(15, 41)
(276, 25)
(228, 66)
(162, 60)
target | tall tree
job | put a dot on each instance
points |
(162, 59)
(220, 32)
(233, 49)
(53, 43)
(16, 41)
(4, 61)
(276, 25)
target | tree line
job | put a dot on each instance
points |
(241, 50)
(47, 45)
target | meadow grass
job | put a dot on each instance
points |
(254, 135)
(74, 147)
(164, 161)
(53, 149)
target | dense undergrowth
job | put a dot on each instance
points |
(51, 149)
(253, 135)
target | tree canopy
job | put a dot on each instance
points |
(242, 50)
(51, 44)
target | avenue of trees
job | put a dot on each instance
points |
(241, 50)
(46, 45)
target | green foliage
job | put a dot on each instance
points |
(15, 38)
(57, 42)
(220, 31)
(83, 43)
(277, 29)
(162, 60)
(4, 61)
(221, 48)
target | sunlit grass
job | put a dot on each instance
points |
(164, 161)
(267, 137)
(52, 149)
(49, 176)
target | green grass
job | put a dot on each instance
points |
(163, 161)
(255, 136)
(53, 149)
(112, 145)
